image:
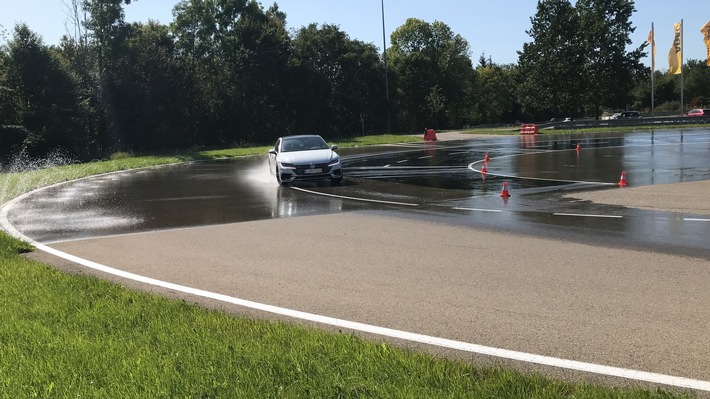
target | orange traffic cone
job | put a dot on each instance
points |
(486, 159)
(578, 148)
(622, 181)
(484, 167)
(504, 193)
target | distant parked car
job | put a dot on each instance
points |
(698, 112)
(629, 115)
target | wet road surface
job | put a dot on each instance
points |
(428, 180)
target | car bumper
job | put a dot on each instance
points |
(301, 173)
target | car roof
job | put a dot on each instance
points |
(301, 136)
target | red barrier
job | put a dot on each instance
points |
(429, 135)
(529, 128)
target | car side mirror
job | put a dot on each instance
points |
(272, 151)
(334, 147)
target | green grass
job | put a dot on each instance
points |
(65, 336)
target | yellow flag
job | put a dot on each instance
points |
(675, 63)
(706, 36)
(652, 42)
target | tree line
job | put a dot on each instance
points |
(231, 72)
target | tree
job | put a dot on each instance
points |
(549, 78)
(237, 53)
(436, 101)
(153, 97)
(338, 80)
(106, 21)
(496, 93)
(12, 134)
(424, 56)
(697, 83)
(107, 27)
(610, 70)
(43, 95)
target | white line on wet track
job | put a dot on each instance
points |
(478, 210)
(354, 198)
(696, 220)
(586, 215)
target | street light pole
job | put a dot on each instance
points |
(384, 52)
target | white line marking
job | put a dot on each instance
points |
(696, 220)
(403, 161)
(588, 215)
(353, 198)
(426, 156)
(205, 197)
(369, 168)
(489, 173)
(479, 210)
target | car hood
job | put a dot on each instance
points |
(306, 157)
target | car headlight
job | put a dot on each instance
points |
(334, 162)
(287, 165)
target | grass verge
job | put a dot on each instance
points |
(75, 336)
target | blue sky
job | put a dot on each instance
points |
(496, 28)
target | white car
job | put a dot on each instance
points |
(305, 157)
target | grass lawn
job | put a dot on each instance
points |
(68, 336)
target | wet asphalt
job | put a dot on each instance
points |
(438, 181)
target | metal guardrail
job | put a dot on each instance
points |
(666, 120)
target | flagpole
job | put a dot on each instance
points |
(682, 72)
(384, 57)
(653, 70)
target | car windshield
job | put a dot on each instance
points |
(303, 144)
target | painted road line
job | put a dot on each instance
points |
(403, 161)
(585, 215)
(202, 197)
(426, 156)
(696, 220)
(478, 210)
(489, 173)
(353, 198)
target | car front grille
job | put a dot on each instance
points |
(301, 169)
